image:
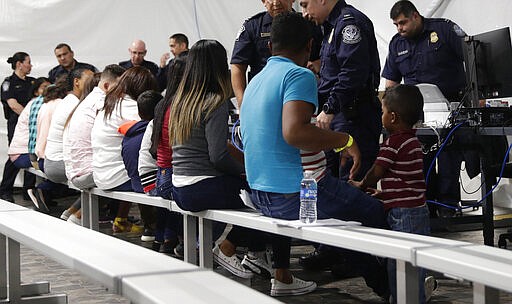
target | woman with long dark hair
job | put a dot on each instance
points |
(120, 107)
(205, 176)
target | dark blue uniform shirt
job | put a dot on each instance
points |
(19, 89)
(350, 60)
(435, 57)
(59, 70)
(151, 66)
(252, 41)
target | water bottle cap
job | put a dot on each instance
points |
(308, 174)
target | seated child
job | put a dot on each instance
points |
(133, 132)
(399, 167)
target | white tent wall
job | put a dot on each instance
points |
(100, 31)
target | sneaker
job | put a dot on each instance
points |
(179, 250)
(167, 247)
(232, 263)
(38, 199)
(260, 264)
(156, 246)
(148, 235)
(295, 288)
(75, 220)
(122, 225)
(430, 287)
(66, 214)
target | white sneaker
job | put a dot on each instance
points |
(430, 287)
(260, 263)
(66, 214)
(295, 288)
(75, 220)
(232, 263)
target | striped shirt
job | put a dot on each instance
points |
(403, 183)
(314, 162)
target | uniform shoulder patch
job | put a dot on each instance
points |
(351, 34)
(5, 86)
(460, 32)
(240, 31)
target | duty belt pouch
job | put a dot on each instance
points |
(350, 110)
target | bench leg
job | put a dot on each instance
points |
(484, 294)
(3, 267)
(205, 243)
(90, 211)
(189, 235)
(407, 282)
(13, 269)
(17, 292)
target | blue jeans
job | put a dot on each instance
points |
(23, 161)
(169, 224)
(164, 182)
(220, 192)
(411, 220)
(336, 199)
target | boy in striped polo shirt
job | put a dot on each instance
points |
(399, 167)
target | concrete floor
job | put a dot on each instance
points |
(37, 267)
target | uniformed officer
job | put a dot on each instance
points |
(178, 45)
(252, 46)
(349, 77)
(137, 52)
(425, 50)
(67, 63)
(16, 93)
(429, 50)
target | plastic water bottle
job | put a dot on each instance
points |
(308, 195)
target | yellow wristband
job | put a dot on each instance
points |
(349, 143)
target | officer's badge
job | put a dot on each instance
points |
(5, 86)
(458, 31)
(433, 37)
(240, 31)
(351, 34)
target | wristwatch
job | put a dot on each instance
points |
(328, 108)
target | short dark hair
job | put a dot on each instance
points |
(290, 31)
(112, 72)
(402, 7)
(37, 83)
(75, 74)
(61, 45)
(146, 103)
(17, 57)
(406, 100)
(180, 38)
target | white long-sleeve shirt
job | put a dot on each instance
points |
(77, 146)
(108, 166)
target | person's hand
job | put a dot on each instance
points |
(373, 192)
(164, 58)
(351, 153)
(323, 120)
(357, 184)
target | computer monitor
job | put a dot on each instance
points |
(488, 65)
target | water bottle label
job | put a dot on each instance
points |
(308, 193)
